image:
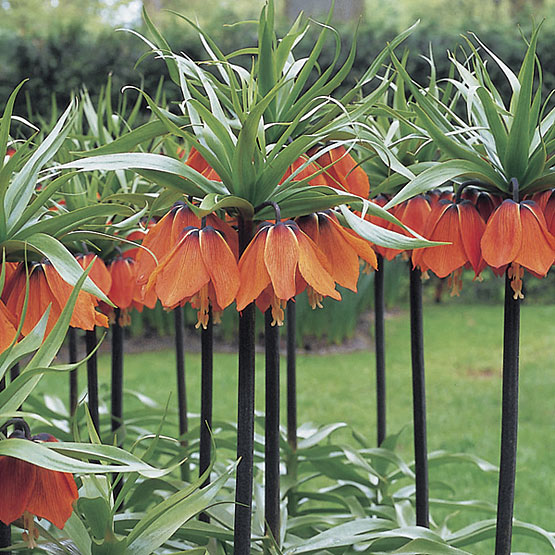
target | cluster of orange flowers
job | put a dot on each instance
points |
(199, 264)
(182, 261)
(186, 260)
(483, 231)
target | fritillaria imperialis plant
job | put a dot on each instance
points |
(499, 157)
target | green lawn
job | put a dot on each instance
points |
(463, 366)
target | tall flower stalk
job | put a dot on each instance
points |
(183, 422)
(245, 414)
(502, 153)
(291, 319)
(379, 337)
(272, 434)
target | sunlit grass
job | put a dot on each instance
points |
(463, 373)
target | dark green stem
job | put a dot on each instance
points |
(92, 378)
(5, 538)
(509, 422)
(292, 402)
(419, 399)
(117, 390)
(206, 392)
(379, 327)
(245, 415)
(181, 385)
(73, 378)
(271, 442)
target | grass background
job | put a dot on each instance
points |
(463, 372)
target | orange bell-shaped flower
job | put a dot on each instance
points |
(461, 225)
(517, 234)
(200, 269)
(162, 237)
(47, 288)
(284, 259)
(340, 247)
(29, 490)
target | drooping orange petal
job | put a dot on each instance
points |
(17, 482)
(136, 236)
(348, 175)
(444, 259)
(309, 224)
(159, 242)
(9, 270)
(472, 228)
(310, 170)
(53, 495)
(221, 265)
(502, 237)
(196, 161)
(312, 270)
(183, 217)
(361, 246)
(230, 235)
(39, 299)
(84, 315)
(343, 260)
(537, 251)
(254, 276)
(281, 255)
(7, 328)
(264, 300)
(549, 213)
(416, 214)
(124, 278)
(144, 297)
(182, 273)
(99, 273)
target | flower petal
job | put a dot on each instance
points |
(444, 259)
(472, 228)
(503, 235)
(281, 255)
(53, 496)
(182, 273)
(312, 270)
(343, 260)
(221, 265)
(253, 274)
(17, 481)
(537, 250)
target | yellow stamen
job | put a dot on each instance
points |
(366, 267)
(516, 273)
(217, 316)
(31, 533)
(278, 313)
(124, 318)
(454, 281)
(314, 298)
(202, 301)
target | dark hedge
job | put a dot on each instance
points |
(63, 60)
